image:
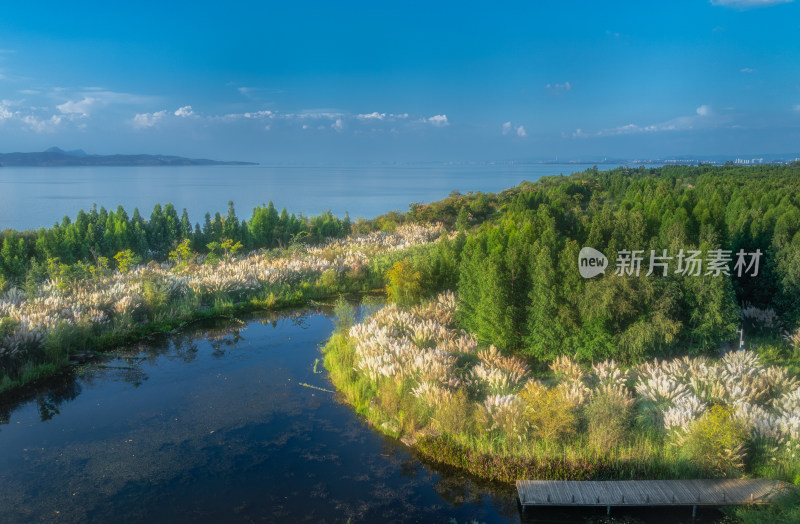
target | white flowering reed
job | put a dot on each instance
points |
(683, 412)
(566, 369)
(97, 301)
(608, 373)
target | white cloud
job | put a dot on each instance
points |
(257, 93)
(319, 119)
(42, 125)
(704, 110)
(797, 107)
(184, 111)
(98, 96)
(438, 120)
(249, 115)
(315, 114)
(747, 70)
(79, 108)
(5, 114)
(145, 120)
(559, 88)
(519, 130)
(745, 4)
(372, 116)
(703, 118)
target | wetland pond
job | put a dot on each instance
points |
(215, 425)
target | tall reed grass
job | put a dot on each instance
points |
(42, 324)
(413, 372)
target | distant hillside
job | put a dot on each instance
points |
(55, 157)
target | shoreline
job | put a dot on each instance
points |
(469, 434)
(52, 322)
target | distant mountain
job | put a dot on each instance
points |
(74, 152)
(57, 157)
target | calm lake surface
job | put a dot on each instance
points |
(214, 425)
(38, 197)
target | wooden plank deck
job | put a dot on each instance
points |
(705, 492)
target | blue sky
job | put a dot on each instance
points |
(316, 82)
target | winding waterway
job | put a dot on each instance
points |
(219, 424)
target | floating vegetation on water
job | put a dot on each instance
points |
(315, 387)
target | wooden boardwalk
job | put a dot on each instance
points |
(612, 493)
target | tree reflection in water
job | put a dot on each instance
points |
(125, 363)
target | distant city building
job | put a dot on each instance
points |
(747, 162)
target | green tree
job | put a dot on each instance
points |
(404, 285)
(182, 255)
(126, 260)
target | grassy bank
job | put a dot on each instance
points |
(42, 324)
(413, 375)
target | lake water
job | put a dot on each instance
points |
(38, 197)
(215, 425)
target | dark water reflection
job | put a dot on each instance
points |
(213, 425)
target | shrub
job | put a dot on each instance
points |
(456, 416)
(182, 255)
(404, 285)
(716, 441)
(547, 411)
(329, 280)
(608, 417)
(154, 293)
(126, 260)
(785, 510)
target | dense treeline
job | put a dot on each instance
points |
(520, 289)
(517, 273)
(95, 237)
(425, 370)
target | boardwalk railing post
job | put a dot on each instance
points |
(608, 510)
(694, 511)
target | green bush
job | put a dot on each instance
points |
(547, 411)
(608, 418)
(154, 294)
(456, 416)
(785, 510)
(404, 285)
(716, 442)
